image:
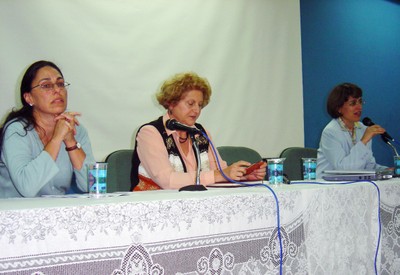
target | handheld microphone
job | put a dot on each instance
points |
(385, 136)
(172, 124)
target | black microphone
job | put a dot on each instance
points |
(172, 124)
(385, 136)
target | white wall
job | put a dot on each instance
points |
(116, 53)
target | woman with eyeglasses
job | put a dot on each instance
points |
(346, 143)
(164, 157)
(42, 146)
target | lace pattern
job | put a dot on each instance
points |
(327, 230)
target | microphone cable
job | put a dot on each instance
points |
(255, 184)
(379, 207)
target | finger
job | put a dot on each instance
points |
(69, 115)
(256, 176)
(239, 174)
(71, 127)
(72, 116)
(261, 175)
(59, 117)
(262, 170)
(74, 113)
(68, 125)
(63, 117)
(241, 163)
(76, 121)
(73, 121)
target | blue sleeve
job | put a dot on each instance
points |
(30, 168)
(338, 151)
(81, 175)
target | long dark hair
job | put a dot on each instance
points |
(25, 114)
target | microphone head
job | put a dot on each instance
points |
(173, 124)
(385, 139)
(385, 136)
(367, 121)
(170, 123)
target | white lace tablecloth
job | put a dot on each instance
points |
(325, 229)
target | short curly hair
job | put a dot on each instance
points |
(173, 88)
(339, 95)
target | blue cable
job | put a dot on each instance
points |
(255, 184)
(379, 207)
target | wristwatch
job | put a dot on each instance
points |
(76, 146)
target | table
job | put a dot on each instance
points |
(325, 229)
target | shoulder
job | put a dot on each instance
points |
(152, 126)
(15, 127)
(333, 125)
(332, 129)
(148, 133)
(148, 130)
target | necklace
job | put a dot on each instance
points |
(352, 132)
(183, 140)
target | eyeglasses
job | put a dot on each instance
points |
(354, 102)
(47, 87)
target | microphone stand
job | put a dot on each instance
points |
(197, 186)
(387, 141)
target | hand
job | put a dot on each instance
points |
(65, 126)
(253, 167)
(257, 174)
(372, 131)
(237, 170)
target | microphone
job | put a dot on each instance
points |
(385, 136)
(172, 124)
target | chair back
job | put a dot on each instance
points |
(293, 166)
(119, 170)
(231, 154)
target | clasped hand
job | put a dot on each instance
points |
(65, 125)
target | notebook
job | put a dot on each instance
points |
(354, 175)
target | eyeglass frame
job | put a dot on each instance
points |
(65, 85)
(354, 102)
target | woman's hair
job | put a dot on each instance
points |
(25, 113)
(172, 89)
(339, 95)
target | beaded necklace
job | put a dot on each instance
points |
(352, 133)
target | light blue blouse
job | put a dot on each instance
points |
(26, 170)
(337, 152)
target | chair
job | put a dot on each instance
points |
(119, 170)
(293, 166)
(232, 154)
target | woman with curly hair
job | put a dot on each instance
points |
(165, 158)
